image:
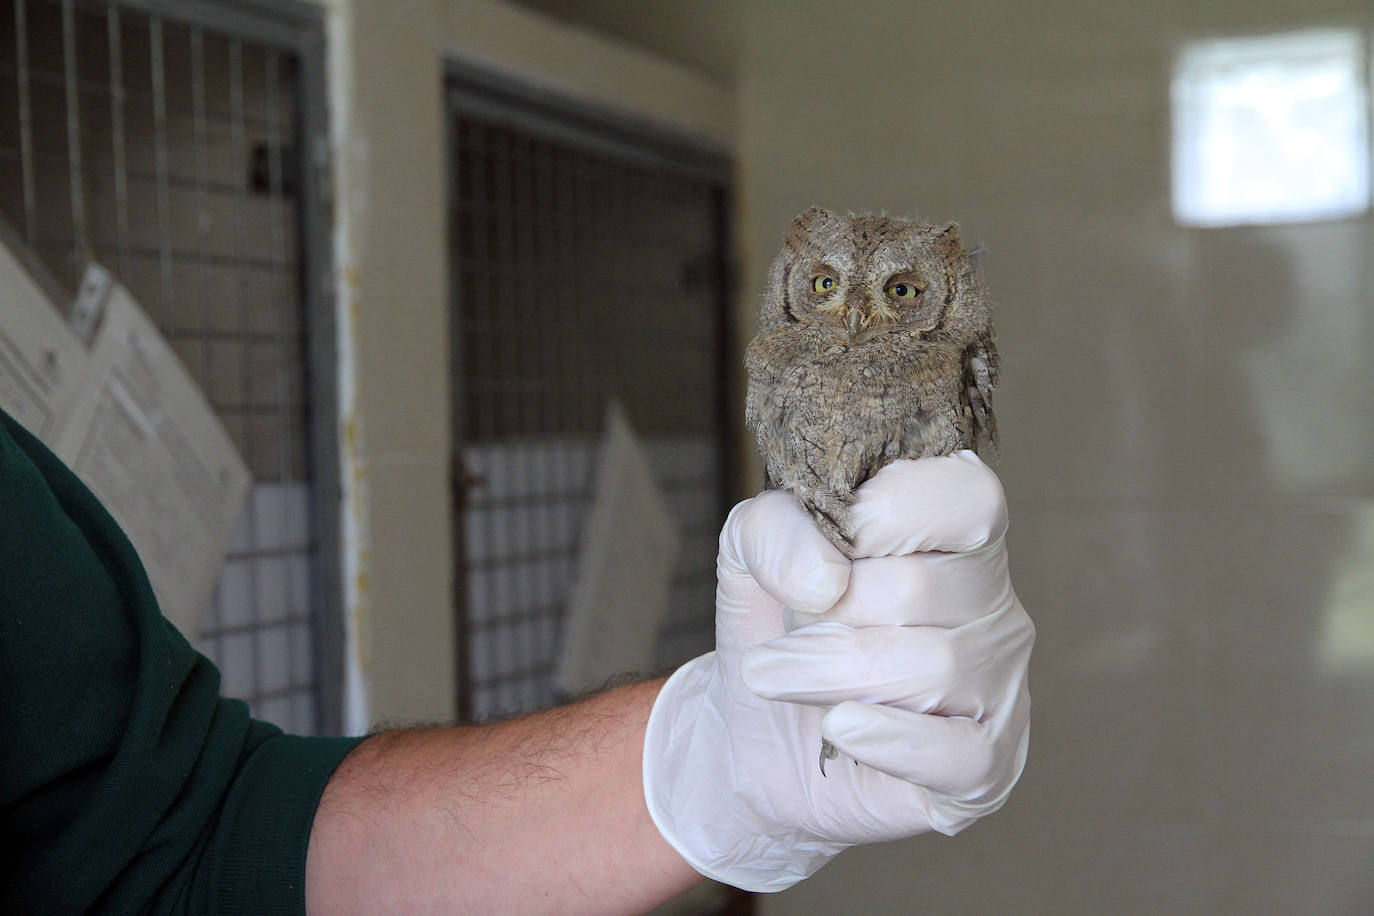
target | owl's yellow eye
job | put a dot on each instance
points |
(903, 290)
(823, 284)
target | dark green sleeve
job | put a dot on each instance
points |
(127, 784)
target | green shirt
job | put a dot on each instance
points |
(127, 784)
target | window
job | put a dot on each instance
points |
(1271, 130)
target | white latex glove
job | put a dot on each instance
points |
(911, 661)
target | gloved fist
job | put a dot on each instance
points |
(911, 660)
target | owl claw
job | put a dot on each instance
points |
(828, 752)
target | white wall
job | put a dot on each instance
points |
(1188, 451)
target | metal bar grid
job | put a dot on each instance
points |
(138, 136)
(584, 268)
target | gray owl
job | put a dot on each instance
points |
(875, 343)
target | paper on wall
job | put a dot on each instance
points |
(629, 550)
(142, 436)
(41, 358)
(127, 418)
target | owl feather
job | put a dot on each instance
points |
(875, 343)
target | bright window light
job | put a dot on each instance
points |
(1271, 130)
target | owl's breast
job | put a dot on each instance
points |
(902, 397)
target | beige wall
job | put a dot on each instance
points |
(386, 110)
(1188, 451)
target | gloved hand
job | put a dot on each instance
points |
(911, 661)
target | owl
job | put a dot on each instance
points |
(875, 343)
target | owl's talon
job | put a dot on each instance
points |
(828, 752)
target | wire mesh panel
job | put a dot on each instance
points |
(164, 147)
(584, 270)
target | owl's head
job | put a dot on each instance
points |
(862, 277)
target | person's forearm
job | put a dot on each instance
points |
(539, 814)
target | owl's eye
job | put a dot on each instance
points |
(823, 284)
(903, 290)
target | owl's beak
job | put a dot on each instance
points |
(853, 323)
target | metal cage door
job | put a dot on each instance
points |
(168, 141)
(588, 263)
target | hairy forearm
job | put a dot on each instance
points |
(539, 814)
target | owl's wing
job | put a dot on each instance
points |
(981, 365)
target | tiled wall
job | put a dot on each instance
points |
(1188, 452)
(258, 629)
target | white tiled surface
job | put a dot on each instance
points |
(258, 630)
(521, 540)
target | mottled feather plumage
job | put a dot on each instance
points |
(851, 371)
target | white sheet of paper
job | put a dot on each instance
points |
(142, 436)
(629, 549)
(42, 361)
(127, 418)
